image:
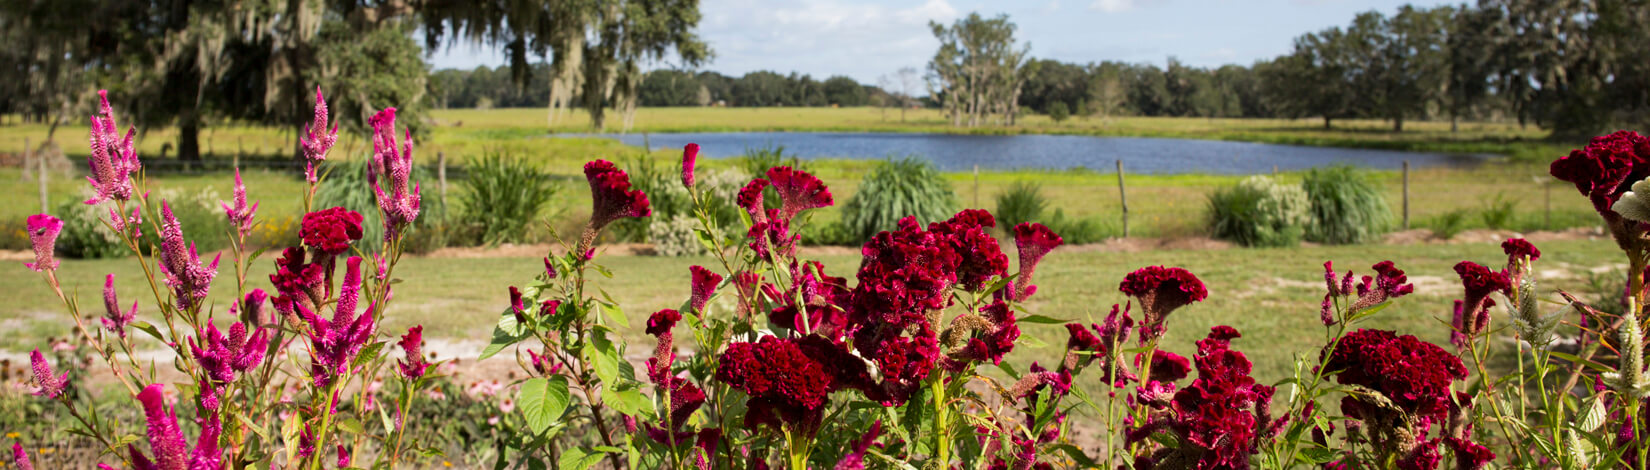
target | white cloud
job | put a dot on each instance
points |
(857, 38)
(1112, 6)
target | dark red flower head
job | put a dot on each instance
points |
(980, 256)
(662, 321)
(1033, 240)
(1213, 414)
(612, 198)
(331, 230)
(413, 366)
(1161, 290)
(1472, 313)
(1517, 249)
(789, 380)
(798, 191)
(1414, 375)
(664, 354)
(1605, 168)
(704, 285)
(690, 156)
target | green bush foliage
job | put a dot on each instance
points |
(346, 186)
(1347, 207)
(1260, 212)
(502, 195)
(1021, 202)
(1499, 214)
(894, 189)
(84, 233)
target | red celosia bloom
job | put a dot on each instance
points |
(990, 343)
(903, 274)
(166, 438)
(775, 232)
(50, 385)
(685, 398)
(823, 297)
(1213, 414)
(334, 344)
(189, 279)
(516, 306)
(1518, 249)
(1388, 283)
(1161, 290)
(1084, 347)
(1469, 455)
(690, 156)
(113, 159)
(43, 230)
(296, 281)
(1166, 366)
(746, 283)
(1033, 240)
(414, 365)
(612, 198)
(704, 285)
(1604, 170)
(1414, 375)
(1472, 312)
(789, 380)
(1037, 379)
(750, 198)
(798, 191)
(549, 269)
(855, 460)
(1424, 456)
(659, 325)
(982, 257)
(317, 139)
(331, 230)
(400, 203)
(549, 307)
(239, 214)
(113, 319)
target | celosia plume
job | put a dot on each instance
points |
(414, 365)
(317, 139)
(331, 231)
(392, 162)
(1033, 240)
(49, 384)
(239, 214)
(690, 157)
(334, 344)
(611, 198)
(189, 279)
(113, 159)
(43, 230)
(166, 438)
(21, 458)
(1161, 290)
(704, 285)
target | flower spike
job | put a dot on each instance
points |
(43, 230)
(113, 157)
(114, 320)
(317, 139)
(51, 386)
(393, 162)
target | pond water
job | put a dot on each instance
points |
(1139, 155)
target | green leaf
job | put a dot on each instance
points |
(578, 459)
(543, 401)
(351, 426)
(617, 315)
(1319, 455)
(508, 332)
(367, 354)
(1042, 320)
(604, 356)
(1076, 455)
(631, 401)
(1594, 416)
(148, 328)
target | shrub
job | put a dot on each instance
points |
(84, 234)
(502, 195)
(1449, 224)
(1076, 230)
(757, 161)
(833, 233)
(894, 189)
(1499, 213)
(198, 213)
(1058, 111)
(1346, 207)
(14, 234)
(1021, 202)
(675, 236)
(669, 200)
(1259, 212)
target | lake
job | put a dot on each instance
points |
(1139, 155)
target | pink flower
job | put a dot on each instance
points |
(113, 157)
(43, 230)
(20, 457)
(1033, 240)
(127, 226)
(690, 156)
(664, 355)
(399, 203)
(549, 269)
(189, 279)
(750, 198)
(51, 386)
(317, 139)
(788, 380)
(331, 230)
(239, 214)
(413, 366)
(1161, 290)
(704, 285)
(798, 191)
(166, 439)
(856, 460)
(1472, 312)
(611, 198)
(334, 344)
(1518, 249)
(223, 357)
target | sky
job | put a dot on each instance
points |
(867, 39)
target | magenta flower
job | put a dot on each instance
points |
(1388, 283)
(297, 282)
(856, 460)
(664, 355)
(189, 279)
(331, 230)
(400, 203)
(251, 308)
(127, 226)
(113, 319)
(20, 457)
(549, 269)
(1222, 416)
(1033, 240)
(113, 157)
(43, 230)
(612, 198)
(1469, 455)
(750, 198)
(413, 366)
(704, 285)
(317, 139)
(789, 380)
(1472, 312)
(51, 386)
(1161, 291)
(1414, 375)
(798, 191)
(690, 156)
(166, 438)
(1518, 249)
(334, 344)
(239, 214)
(223, 357)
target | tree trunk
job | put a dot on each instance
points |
(189, 144)
(1454, 123)
(1398, 123)
(1326, 119)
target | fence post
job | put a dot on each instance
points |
(1406, 194)
(977, 186)
(441, 175)
(1123, 195)
(40, 164)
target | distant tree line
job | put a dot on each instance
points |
(495, 87)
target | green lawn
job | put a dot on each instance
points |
(1271, 295)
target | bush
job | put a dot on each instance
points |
(893, 190)
(669, 200)
(757, 161)
(502, 195)
(1058, 111)
(345, 185)
(832, 233)
(1022, 202)
(84, 233)
(1346, 207)
(1449, 224)
(14, 234)
(1499, 214)
(1259, 212)
(1077, 231)
(200, 214)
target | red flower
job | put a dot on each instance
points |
(788, 380)
(331, 230)
(1414, 375)
(704, 285)
(1517, 249)
(413, 366)
(1033, 240)
(1161, 290)
(690, 156)
(750, 198)
(1212, 415)
(1605, 168)
(296, 281)
(798, 191)
(1472, 312)
(611, 196)
(981, 257)
(1469, 455)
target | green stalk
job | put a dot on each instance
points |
(942, 431)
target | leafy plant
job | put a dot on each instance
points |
(1259, 212)
(1499, 213)
(1021, 202)
(1080, 231)
(1347, 207)
(346, 186)
(84, 234)
(502, 195)
(1449, 224)
(757, 161)
(897, 188)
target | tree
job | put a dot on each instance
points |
(1314, 80)
(977, 70)
(669, 88)
(909, 83)
(843, 91)
(1469, 49)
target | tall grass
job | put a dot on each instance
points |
(1347, 206)
(1021, 202)
(345, 185)
(502, 195)
(895, 189)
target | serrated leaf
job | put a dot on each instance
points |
(631, 402)
(1594, 416)
(542, 401)
(148, 328)
(368, 354)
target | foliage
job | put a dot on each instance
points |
(670, 201)
(347, 187)
(1078, 230)
(1449, 224)
(1260, 212)
(1058, 111)
(199, 213)
(502, 194)
(1021, 202)
(84, 234)
(1346, 206)
(367, 69)
(897, 188)
(756, 161)
(1499, 213)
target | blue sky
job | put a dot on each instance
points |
(865, 39)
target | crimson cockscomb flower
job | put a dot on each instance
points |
(549, 269)
(517, 305)
(798, 191)
(331, 230)
(704, 285)
(21, 458)
(317, 139)
(1388, 283)
(1033, 240)
(113, 319)
(1413, 375)
(251, 308)
(1604, 171)
(189, 279)
(43, 230)
(690, 157)
(981, 256)
(166, 438)
(297, 282)
(1518, 249)
(412, 343)
(1469, 455)
(750, 199)
(1161, 290)
(239, 214)
(990, 336)
(1212, 417)
(334, 344)
(394, 163)
(664, 355)
(788, 380)
(50, 385)
(113, 159)
(549, 307)
(1472, 312)
(611, 199)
